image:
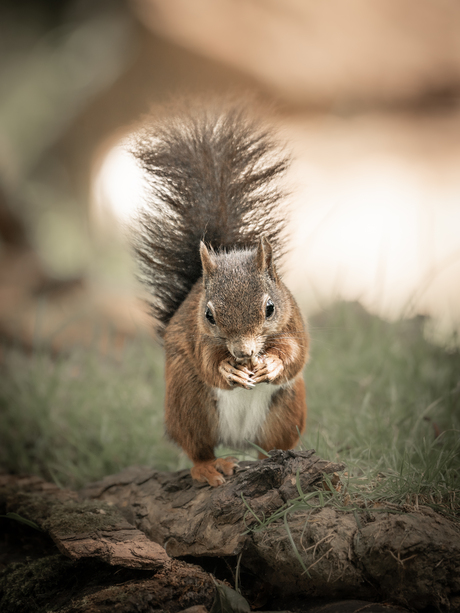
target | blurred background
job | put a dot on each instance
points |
(366, 95)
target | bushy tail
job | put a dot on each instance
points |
(212, 176)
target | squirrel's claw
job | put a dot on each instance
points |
(236, 375)
(226, 465)
(268, 370)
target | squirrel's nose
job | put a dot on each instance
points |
(243, 349)
(241, 355)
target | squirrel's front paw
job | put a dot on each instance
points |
(268, 369)
(237, 374)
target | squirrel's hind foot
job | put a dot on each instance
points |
(209, 471)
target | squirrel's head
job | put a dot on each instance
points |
(244, 300)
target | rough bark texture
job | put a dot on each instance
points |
(111, 536)
(411, 559)
(191, 519)
(82, 529)
(100, 562)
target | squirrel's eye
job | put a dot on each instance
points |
(269, 309)
(209, 316)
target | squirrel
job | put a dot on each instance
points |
(207, 244)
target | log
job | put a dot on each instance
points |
(138, 521)
(105, 564)
(80, 529)
(407, 558)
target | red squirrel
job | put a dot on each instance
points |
(207, 245)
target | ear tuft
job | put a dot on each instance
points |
(207, 260)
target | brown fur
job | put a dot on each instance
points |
(193, 357)
(222, 310)
(286, 420)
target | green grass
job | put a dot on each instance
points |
(387, 403)
(77, 417)
(381, 399)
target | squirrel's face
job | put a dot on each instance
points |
(244, 300)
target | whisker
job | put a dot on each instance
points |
(282, 338)
(286, 335)
(288, 332)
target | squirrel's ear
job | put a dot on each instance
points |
(264, 258)
(207, 260)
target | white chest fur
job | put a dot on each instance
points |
(242, 413)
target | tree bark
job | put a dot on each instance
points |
(139, 519)
(408, 558)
